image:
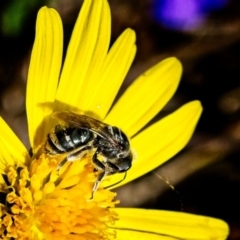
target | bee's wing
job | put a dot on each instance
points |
(85, 122)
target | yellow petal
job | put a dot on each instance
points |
(6, 158)
(12, 149)
(113, 72)
(86, 51)
(161, 141)
(146, 96)
(123, 234)
(92, 78)
(151, 224)
(43, 73)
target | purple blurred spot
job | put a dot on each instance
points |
(184, 14)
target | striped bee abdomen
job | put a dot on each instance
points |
(64, 139)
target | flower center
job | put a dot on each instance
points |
(39, 202)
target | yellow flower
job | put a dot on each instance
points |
(39, 202)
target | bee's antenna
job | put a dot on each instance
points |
(114, 184)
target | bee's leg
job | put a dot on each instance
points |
(97, 183)
(99, 166)
(76, 153)
(73, 155)
(107, 168)
(97, 163)
(59, 166)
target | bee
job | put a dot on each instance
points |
(82, 134)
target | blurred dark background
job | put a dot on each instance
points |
(206, 38)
